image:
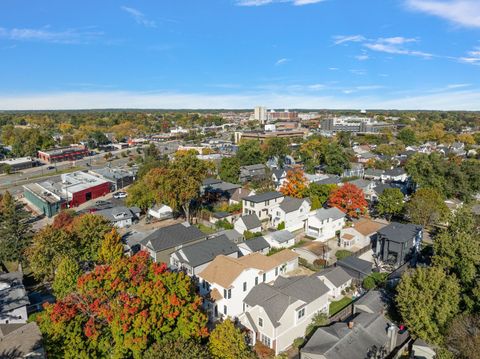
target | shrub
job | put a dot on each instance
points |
(343, 253)
(281, 226)
(368, 283)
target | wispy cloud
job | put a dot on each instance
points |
(46, 34)
(282, 61)
(341, 39)
(472, 57)
(139, 16)
(461, 12)
(362, 57)
(267, 2)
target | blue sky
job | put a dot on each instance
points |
(391, 54)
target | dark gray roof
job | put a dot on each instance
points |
(397, 171)
(373, 172)
(251, 221)
(206, 251)
(12, 292)
(336, 275)
(278, 172)
(371, 302)
(257, 244)
(220, 215)
(356, 264)
(262, 197)
(282, 236)
(361, 183)
(20, 339)
(254, 167)
(326, 213)
(337, 341)
(117, 213)
(330, 180)
(290, 204)
(276, 298)
(172, 236)
(399, 232)
(232, 235)
(210, 181)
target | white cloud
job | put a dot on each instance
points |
(452, 100)
(139, 17)
(340, 39)
(282, 61)
(461, 12)
(266, 2)
(394, 45)
(45, 34)
(472, 57)
(362, 57)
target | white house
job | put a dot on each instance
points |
(160, 211)
(249, 222)
(291, 211)
(279, 313)
(280, 239)
(13, 299)
(360, 234)
(336, 279)
(324, 223)
(254, 245)
(396, 174)
(260, 204)
(226, 281)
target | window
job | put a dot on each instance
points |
(225, 310)
(229, 293)
(267, 203)
(256, 280)
(244, 286)
(276, 271)
(264, 277)
(225, 293)
(266, 340)
(301, 313)
(260, 322)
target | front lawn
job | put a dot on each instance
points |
(205, 229)
(338, 305)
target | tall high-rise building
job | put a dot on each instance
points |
(260, 114)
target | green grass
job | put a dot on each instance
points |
(205, 229)
(343, 253)
(338, 305)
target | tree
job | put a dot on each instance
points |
(143, 193)
(89, 231)
(228, 342)
(349, 199)
(64, 220)
(407, 136)
(119, 309)
(178, 349)
(463, 336)
(427, 300)
(229, 169)
(111, 248)
(311, 152)
(295, 183)
(276, 147)
(344, 138)
(427, 207)
(15, 231)
(250, 153)
(390, 202)
(319, 193)
(66, 276)
(335, 159)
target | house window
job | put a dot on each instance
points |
(267, 203)
(225, 294)
(264, 277)
(260, 322)
(276, 271)
(225, 310)
(256, 280)
(301, 313)
(266, 340)
(244, 286)
(229, 293)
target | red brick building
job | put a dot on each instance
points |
(63, 154)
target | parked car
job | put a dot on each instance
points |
(50, 167)
(120, 195)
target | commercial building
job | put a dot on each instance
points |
(118, 176)
(353, 124)
(262, 136)
(21, 163)
(260, 114)
(45, 201)
(63, 154)
(286, 115)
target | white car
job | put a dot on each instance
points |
(120, 195)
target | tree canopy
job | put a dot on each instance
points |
(349, 199)
(295, 183)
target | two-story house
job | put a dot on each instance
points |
(396, 174)
(279, 313)
(261, 203)
(293, 212)
(324, 223)
(336, 279)
(226, 281)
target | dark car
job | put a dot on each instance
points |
(50, 167)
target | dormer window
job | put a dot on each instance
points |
(301, 313)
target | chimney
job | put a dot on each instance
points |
(392, 336)
(350, 325)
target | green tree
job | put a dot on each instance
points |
(111, 248)
(407, 136)
(427, 300)
(390, 202)
(15, 231)
(335, 159)
(276, 147)
(66, 276)
(312, 151)
(89, 231)
(250, 153)
(229, 169)
(344, 139)
(427, 207)
(228, 342)
(319, 193)
(178, 349)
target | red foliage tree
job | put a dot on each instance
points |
(295, 184)
(121, 308)
(349, 199)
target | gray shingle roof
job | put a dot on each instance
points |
(257, 244)
(13, 294)
(356, 264)
(397, 171)
(276, 298)
(336, 275)
(116, 213)
(361, 183)
(262, 197)
(172, 236)
(290, 204)
(20, 339)
(206, 251)
(329, 180)
(371, 301)
(399, 232)
(326, 213)
(373, 172)
(251, 221)
(232, 235)
(281, 236)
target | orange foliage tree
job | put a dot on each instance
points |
(349, 199)
(295, 184)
